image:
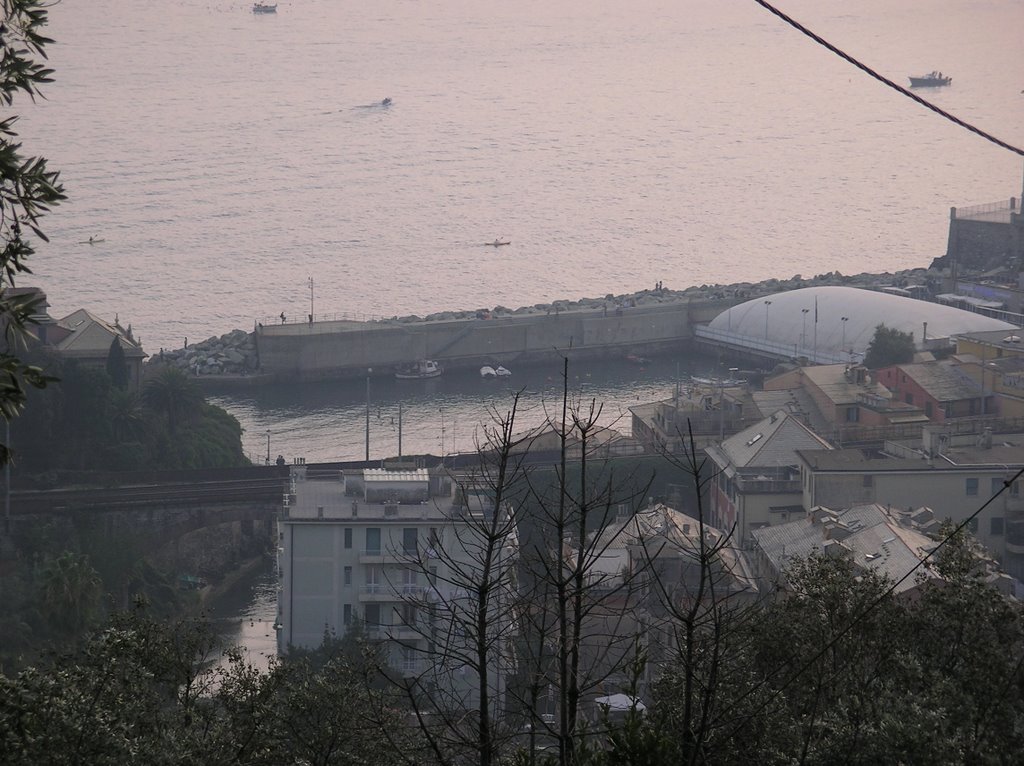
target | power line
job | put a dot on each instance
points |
(886, 81)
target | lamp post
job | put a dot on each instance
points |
(441, 410)
(803, 332)
(268, 446)
(311, 300)
(766, 305)
(844, 320)
(369, 370)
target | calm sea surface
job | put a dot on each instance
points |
(224, 158)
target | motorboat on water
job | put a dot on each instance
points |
(502, 372)
(264, 8)
(498, 243)
(931, 80)
(424, 368)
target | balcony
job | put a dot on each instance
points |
(387, 556)
(386, 591)
(397, 632)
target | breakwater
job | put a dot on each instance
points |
(646, 322)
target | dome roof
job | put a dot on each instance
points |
(832, 321)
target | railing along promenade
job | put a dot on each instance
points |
(995, 212)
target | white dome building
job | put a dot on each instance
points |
(833, 324)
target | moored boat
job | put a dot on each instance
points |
(487, 372)
(502, 372)
(424, 368)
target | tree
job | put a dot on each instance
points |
(465, 615)
(69, 594)
(174, 395)
(117, 366)
(889, 346)
(27, 191)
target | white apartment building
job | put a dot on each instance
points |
(394, 554)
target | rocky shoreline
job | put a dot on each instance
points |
(234, 354)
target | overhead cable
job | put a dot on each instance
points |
(885, 80)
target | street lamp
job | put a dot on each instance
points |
(441, 410)
(369, 370)
(844, 320)
(803, 332)
(268, 446)
(766, 305)
(311, 300)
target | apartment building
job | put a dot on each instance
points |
(392, 554)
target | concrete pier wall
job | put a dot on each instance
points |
(346, 349)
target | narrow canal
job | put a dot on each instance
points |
(244, 613)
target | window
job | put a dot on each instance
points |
(409, 580)
(348, 537)
(928, 409)
(973, 525)
(908, 398)
(997, 486)
(409, 540)
(347, 614)
(1015, 489)
(373, 539)
(971, 487)
(348, 575)
(996, 526)
(852, 414)
(372, 613)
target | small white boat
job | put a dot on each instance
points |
(264, 8)
(424, 368)
(487, 372)
(502, 372)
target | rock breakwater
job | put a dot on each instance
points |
(234, 354)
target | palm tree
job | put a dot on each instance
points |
(172, 393)
(124, 414)
(70, 593)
